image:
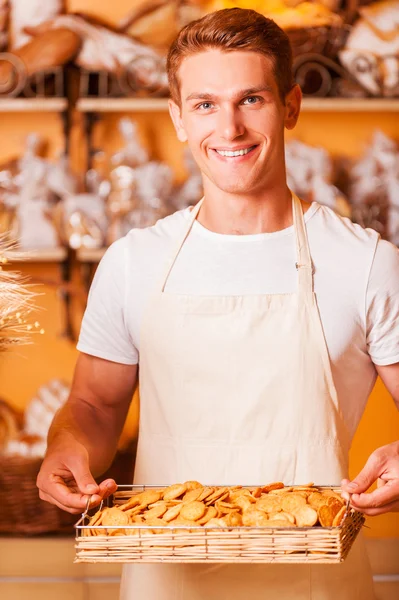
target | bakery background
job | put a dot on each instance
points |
(88, 151)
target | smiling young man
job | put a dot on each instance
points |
(259, 323)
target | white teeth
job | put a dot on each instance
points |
(236, 153)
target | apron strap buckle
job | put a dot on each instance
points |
(301, 266)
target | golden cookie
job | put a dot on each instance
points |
(269, 503)
(316, 499)
(281, 491)
(278, 523)
(210, 513)
(156, 512)
(172, 513)
(326, 515)
(156, 523)
(206, 492)
(174, 491)
(133, 501)
(216, 523)
(292, 502)
(218, 494)
(193, 511)
(243, 502)
(233, 519)
(149, 497)
(192, 495)
(114, 516)
(282, 515)
(338, 517)
(136, 519)
(306, 516)
(333, 494)
(335, 504)
(252, 517)
(272, 486)
(193, 485)
(233, 495)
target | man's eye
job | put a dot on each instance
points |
(205, 105)
(251, 100)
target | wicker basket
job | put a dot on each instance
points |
(24, 513)
(326, 40)
(215, 545)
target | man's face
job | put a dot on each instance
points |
(233, 118)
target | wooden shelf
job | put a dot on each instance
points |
(33, 104)
(109, 105)
(50, 255)
(90, 255)
(350, 105)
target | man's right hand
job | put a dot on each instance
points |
(65, 479)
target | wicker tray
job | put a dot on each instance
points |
(215, 545)
(24, 513)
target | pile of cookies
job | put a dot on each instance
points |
(191, 504)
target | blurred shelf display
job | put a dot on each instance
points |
(90, 255)
(33, 104)
(105, 105)
(109, 105)
(52, 255)
(350, 105)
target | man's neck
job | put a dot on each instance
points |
(234, 214)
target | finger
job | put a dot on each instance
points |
(80, 470)
(107, 488)
(51, 500)
(57, 489)
(345, 495)
(373, 512)
(367, 476)
(379, 497)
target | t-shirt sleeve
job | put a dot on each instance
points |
(382, 305)
(103, 332)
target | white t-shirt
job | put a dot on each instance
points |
(356, 282)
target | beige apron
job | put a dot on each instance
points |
(239, 390)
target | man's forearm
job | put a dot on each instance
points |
(98, 431)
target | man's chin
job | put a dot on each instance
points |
(233, 187)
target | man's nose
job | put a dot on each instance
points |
(230, 125)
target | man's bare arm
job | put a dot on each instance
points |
(390, 378)
(84, 435)
(382, 466)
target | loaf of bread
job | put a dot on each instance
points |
(10, 423)
(50, 49)
(156, 24)
(106, 50)
(28, 13)
(4, 12)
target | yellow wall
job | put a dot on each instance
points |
(24, 370)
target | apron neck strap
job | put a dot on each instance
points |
(304, 261)
(193, 216)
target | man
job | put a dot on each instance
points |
(258, 323)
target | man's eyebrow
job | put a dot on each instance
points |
(239, 94)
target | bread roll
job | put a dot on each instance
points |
(50, 49)
(28, 13)
(10, 423)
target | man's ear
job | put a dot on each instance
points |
(175, 113)
(292, 106)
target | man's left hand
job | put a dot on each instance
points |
(383, 467)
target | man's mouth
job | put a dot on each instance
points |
(235, 153)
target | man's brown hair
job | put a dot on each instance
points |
(233, 29)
